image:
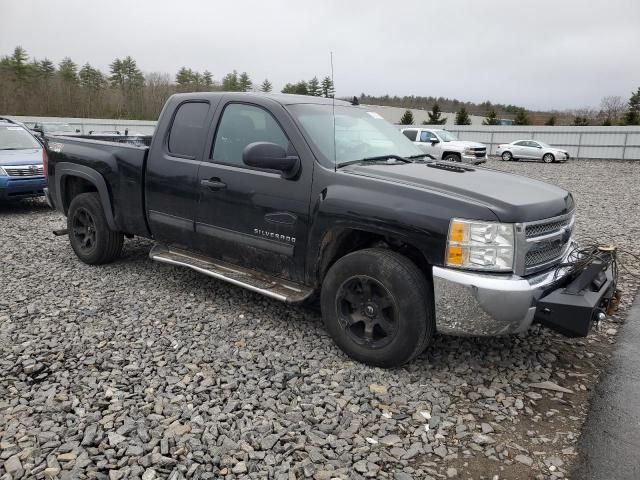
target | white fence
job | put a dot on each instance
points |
(620, 143)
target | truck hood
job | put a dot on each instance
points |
(32, 156)
(462, 144)
(512, 198)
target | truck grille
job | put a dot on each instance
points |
(24, 171)
(544, 243)
(479, 152)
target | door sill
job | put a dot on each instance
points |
(258, 282)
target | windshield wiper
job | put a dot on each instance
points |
(422, 155)
(374, 159)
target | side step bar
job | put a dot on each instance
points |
(273, 287)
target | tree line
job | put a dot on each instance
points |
(613, 111)
(42, 88)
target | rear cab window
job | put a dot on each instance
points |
(411, 134)
(188, 129)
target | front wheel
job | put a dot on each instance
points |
(452, 157)
(89, 234)
(378, 307)
(548, 158)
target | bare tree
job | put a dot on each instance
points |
(612, 108)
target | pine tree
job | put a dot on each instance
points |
(551, 121)
(266, 86)
(91, 78)
(244, 82)
(314, 88)
(184, 76)
(289, 88)
(328, 89)
(230, 82)
(632, 117)
(407, 118)
(521, 117)
(46, 68)
(435, 116)
(68, 70)
(462, 117)
(492, 117)
(207, 79)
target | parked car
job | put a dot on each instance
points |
(295, 197)
(21, 162)
(444, 145)
(531, 150)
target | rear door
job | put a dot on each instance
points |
(249, 216)
(172, 172)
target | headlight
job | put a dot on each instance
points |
(469, 151)
(3, 172)
(477, 245)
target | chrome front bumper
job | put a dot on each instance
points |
(479, 304)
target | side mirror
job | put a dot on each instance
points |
(77, 130)
(271, 156)
(434, 141)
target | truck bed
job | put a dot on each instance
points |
(121, 166)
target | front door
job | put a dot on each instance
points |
(430, 143)
(248, 216)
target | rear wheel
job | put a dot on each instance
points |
(89, 234)
(548, 158)
(377, 306)
(452, 157)
(507, 157)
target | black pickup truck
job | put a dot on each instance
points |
(299, 197)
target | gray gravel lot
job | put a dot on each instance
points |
(144, 370)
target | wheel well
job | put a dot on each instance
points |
(457, 154)
(336, 245)
(73, 186)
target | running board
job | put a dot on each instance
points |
(267, 285)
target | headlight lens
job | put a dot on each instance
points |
(477, 245)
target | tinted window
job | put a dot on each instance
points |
(188, 129)
(521, 143)
(411, 134)
(533, 144)
(241, 125)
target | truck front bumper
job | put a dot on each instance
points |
(473, 160)
(478, 304)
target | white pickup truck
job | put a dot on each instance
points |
(444, 145)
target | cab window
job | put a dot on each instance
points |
(411, 134)
(240, 125)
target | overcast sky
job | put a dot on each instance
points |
(542, 54)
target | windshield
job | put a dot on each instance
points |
(58, 128)
(16, 138)
(359, 134)
(446, 136)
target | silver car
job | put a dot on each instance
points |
(531, 150)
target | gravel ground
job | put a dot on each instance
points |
(143, 370)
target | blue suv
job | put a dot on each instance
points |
(22, 162)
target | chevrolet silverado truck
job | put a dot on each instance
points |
(444, 145)
(301, 199)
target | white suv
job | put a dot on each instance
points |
(444, 145)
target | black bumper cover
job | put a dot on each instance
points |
(571, 309)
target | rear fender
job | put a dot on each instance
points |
(66, 169)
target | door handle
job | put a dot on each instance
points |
(213, 184)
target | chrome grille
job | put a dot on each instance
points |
(540, 229)
(24, 170)
(543, 243)
(544, 254)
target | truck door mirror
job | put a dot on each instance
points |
(271, 156)
(434, 141)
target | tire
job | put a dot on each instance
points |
(506, 156)
(548, 158)
(390, 293)
(89, 234)
(452, 157)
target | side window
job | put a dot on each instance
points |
(533, 144)
(241, 125)
(411, 134)
(521, 143)
(187, 130)
(427, 136)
